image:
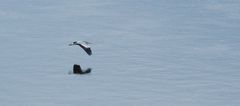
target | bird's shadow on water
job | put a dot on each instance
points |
(81, 72)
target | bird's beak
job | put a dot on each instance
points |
(70, 44)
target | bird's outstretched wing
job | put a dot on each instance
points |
(86, 48)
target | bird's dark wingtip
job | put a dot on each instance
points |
(89, 52)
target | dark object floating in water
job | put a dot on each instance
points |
(77, 70)
(84, 45)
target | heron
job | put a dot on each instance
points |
(84, 45)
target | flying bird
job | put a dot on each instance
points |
(84, 45)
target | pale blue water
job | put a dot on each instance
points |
(145, 52)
